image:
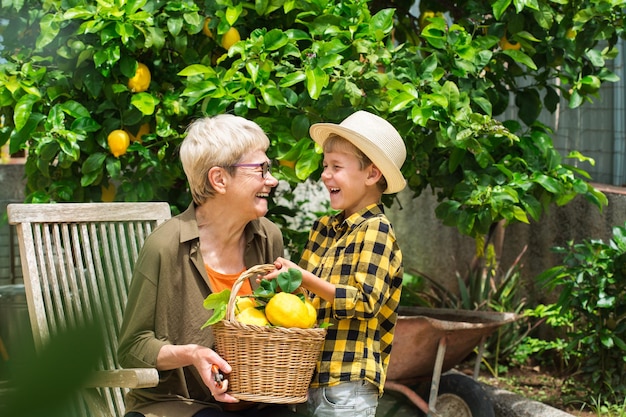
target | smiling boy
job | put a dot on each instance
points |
(352, 264)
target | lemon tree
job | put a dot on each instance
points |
(65, 71)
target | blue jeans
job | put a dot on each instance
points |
(348, 399)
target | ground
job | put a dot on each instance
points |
(535, 383)
(541, 385)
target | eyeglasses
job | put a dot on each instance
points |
(265, 167)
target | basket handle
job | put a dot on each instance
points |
(247, 274)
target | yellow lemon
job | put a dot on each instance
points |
(230, 38)
(144, 129)
(118, 141)
(206, 29)
(426, 14)
(252, 316)
(287, 163)
(288, 310)
(242, 303)
(141, 80)
(505, 44)
(312, 313)
(108, 193)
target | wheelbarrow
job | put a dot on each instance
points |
(431, 341)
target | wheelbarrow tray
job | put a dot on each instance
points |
(420, 330)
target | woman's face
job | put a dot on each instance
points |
(251, 188)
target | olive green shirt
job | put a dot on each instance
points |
(165, 306)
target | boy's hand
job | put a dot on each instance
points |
(281, 265)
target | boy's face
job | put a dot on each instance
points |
(350, 188)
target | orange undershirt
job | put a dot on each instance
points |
(219, 281)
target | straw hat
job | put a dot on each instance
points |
(376, 138)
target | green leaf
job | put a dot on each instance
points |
(316, 80)
(292, 79)
(196, 69)
(266, 289)
(520, 215)
(49, 30)
(520, 57)
(272, 96)
(275, 39)
(529, 104)
(145, 102)
(233, 13)
(290, 280)
(93, 163)
(549, 183)
(499, 7)
(23, 110)
(75, 109)
(218, 302)
(400, 101)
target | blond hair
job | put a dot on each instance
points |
(217, 141)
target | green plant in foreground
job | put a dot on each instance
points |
(603, 409)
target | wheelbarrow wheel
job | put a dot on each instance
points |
(462, 396)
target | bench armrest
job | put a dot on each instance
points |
(125, 378)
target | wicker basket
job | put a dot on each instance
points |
(270, 364)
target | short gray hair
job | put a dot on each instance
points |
(217, 141)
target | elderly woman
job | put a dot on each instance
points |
(202, 250)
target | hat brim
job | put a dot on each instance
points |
(320, 132)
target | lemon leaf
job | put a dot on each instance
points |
(266, 289)
(218, 302)
(290, 280)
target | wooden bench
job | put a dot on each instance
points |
(77, 261)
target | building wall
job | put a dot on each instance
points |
(440, 251)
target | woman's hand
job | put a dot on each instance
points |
(209, 364)
(212, 369)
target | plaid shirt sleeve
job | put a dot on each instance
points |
(362, 259)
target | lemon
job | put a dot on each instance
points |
(206, 29)
(590, 84)
(141, 80)
(118, 141)
(288, 310)
(242, 303)
(426, 14)
(505, 44)
(287, 163)
(144, 129)
(312, 313)
(108, 193)
(230, 38)
(252, 316)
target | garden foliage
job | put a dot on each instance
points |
(441, 80)
(592, 285)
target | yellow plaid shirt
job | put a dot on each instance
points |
(361, 257)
